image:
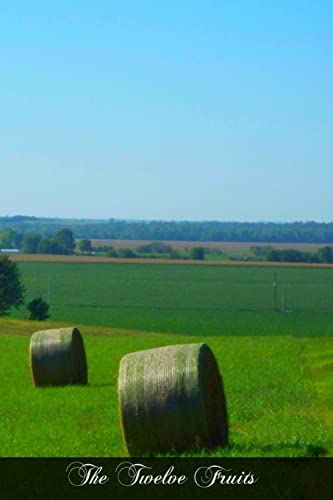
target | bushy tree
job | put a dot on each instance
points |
(11, 287)
(39, 309)
(10, 239)
(49, 246)
(65, 240)
(31, 242)
(62, 244)
(110, 252)
(325, 254)
(197, 253)
(85, 246)
(174, 254)
(126, 253)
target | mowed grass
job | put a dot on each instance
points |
(278, 394)
(185, 299)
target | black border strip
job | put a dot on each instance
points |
(253, 478)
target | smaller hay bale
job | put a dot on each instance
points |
(171, 398)
(57, 357)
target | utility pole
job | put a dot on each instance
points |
(275, 285)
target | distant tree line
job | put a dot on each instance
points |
(295, 232)
(64, 244)
(322, 255)
(155, 249)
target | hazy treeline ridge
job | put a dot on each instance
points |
(295, 232)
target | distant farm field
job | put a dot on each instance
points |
(185, 299)
(278, 393)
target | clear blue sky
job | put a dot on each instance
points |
(199, 110)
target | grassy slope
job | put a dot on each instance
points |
(278, 393)
(318, 361)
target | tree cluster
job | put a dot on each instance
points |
(63, 243)
(323, 255)
(12, 292)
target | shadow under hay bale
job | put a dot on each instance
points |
(57, 357)
(172, 398)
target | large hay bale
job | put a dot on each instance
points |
(57, 357)
(172, 398)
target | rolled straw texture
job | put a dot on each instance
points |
(172, 398)
(57, 357)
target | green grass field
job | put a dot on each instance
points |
(185, 299)
(277, 366)
(278, 394)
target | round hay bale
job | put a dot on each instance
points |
(57, 357)
(172, 398)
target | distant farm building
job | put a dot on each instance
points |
(9, 250)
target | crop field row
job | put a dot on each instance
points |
(278, 395)
(192, 300)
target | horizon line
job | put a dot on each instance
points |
(138, 220)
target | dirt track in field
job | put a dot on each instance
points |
(79, 259)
